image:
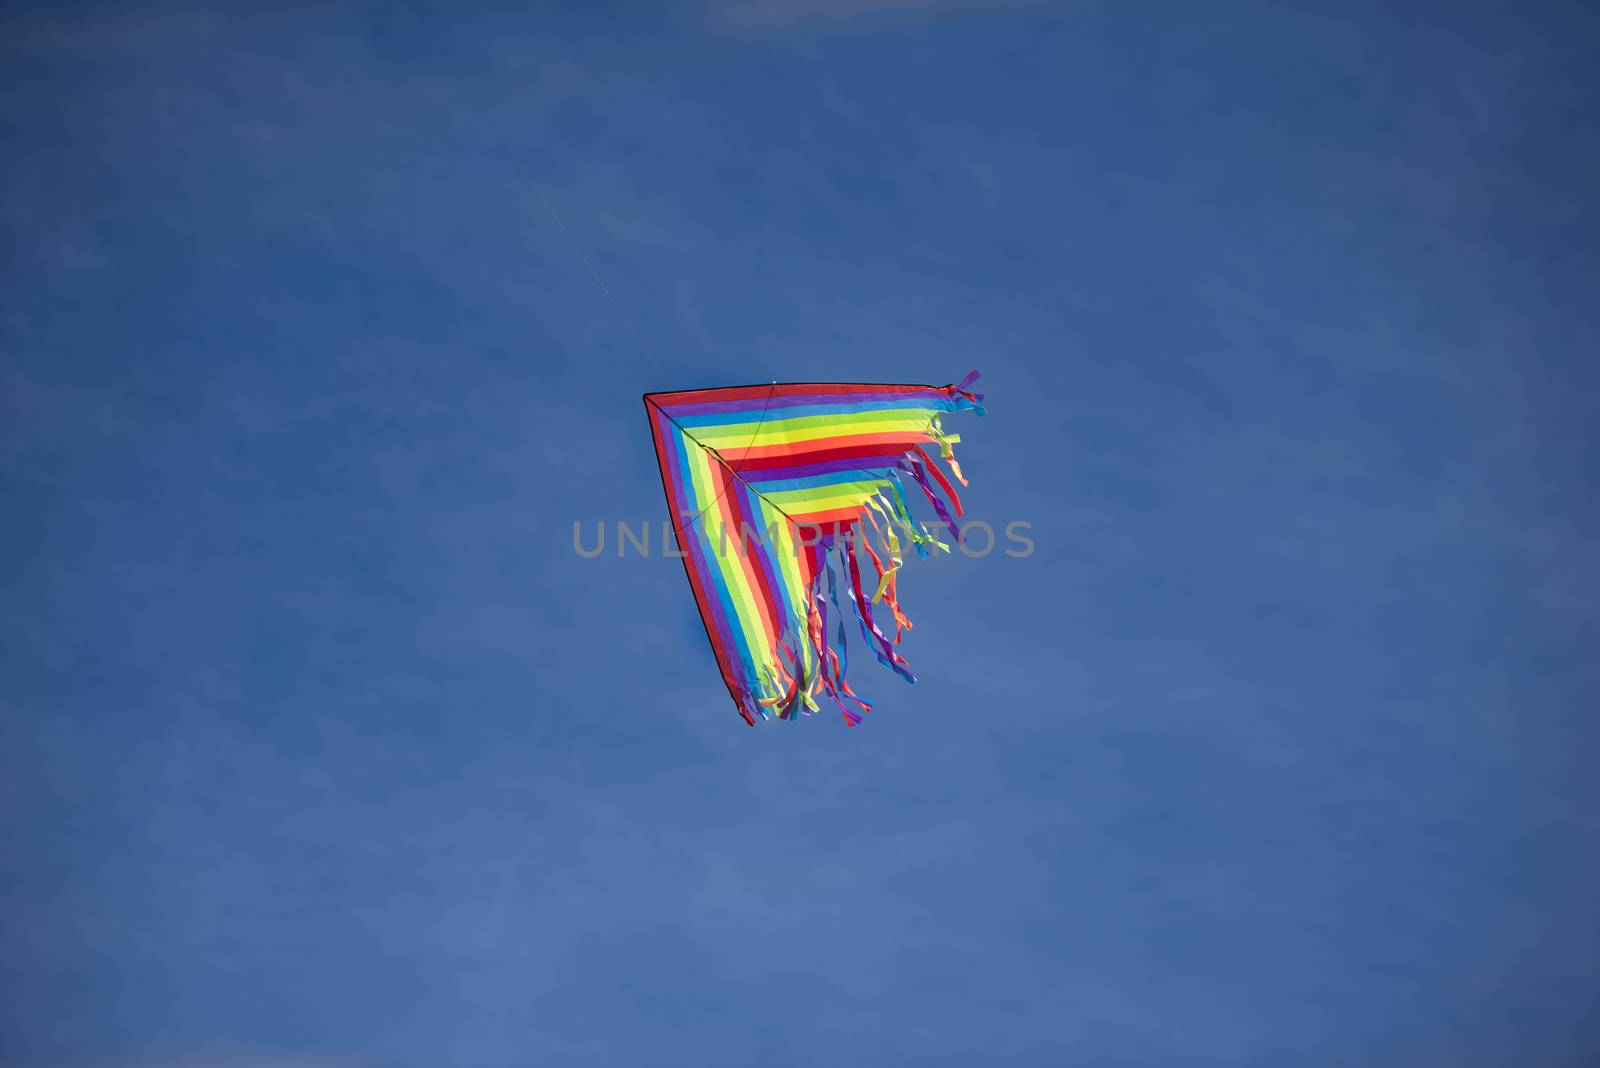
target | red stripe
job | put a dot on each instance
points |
(791, 389)
(730, 508)
(751, 562)
(845, 517)
(830, 452)
(707, 617)
(903, 438)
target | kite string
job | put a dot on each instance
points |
(724, 462)
(576, 247)
(742, 455)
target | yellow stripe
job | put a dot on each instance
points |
(824, 498)
(724, 546)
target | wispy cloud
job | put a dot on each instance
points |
(125, 33)
(781, 12)
(221, 1060)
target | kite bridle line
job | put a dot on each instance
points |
(723, 461)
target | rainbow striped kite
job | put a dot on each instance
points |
(772, 490)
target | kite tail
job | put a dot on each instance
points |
(831, 662)
(794, 679)
(876, 640)
(914, 464)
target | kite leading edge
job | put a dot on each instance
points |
(773, 489)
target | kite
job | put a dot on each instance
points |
(772, 491)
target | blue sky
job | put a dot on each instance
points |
(319, 746)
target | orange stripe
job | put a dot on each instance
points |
(843, 516)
